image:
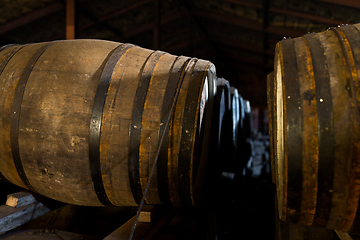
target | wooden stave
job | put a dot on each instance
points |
(341, 213)
(209, 74)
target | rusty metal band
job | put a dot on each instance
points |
(168, 120)
(325, 130)
(293, 129)
(353, 37)
(96, 121)
(162, 168)
(16, 112)
(136, 123)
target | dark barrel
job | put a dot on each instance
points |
(81, 122)
(316, 128)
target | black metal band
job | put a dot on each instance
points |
(136, 123)
(15, 115)
(96, 120)
(162, 178)
(325, 130)
(293, 129)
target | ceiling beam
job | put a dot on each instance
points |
(347, 3)
(150, 26)
(183, 45)
(311, 17)
(244, 3)
(284, 32)
(31, 17)
(306, 16)
(114, 14)
(241, 45)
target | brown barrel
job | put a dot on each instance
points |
(316, 131)
(81, 122)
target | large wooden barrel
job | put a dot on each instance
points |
(81, 122)
(317, 137)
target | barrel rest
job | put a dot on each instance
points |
(346, 236)
(151, 221)
(21, 208)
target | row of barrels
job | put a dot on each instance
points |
(313, 101)
(85, 121)
(231, 129)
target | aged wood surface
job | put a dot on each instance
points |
(20, 199)
(316, 128)
(11, 217)
(81, 121)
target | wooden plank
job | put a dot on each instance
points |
(20, 199)
(11, 217)
(123, 232)
(246, 23)
(347, 3)
(70, 19)
(346, 236)
(31, 17)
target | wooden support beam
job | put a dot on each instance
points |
(311, 17)
(183, 45)
(347, 3)
(114, 14)
(245, 23)
(241, 45)
(31, 17)
(346, 236)
(306, 16)
(244, 3)
(156, 40)
(147, 227)
(12, 217)
(70, 19)
(20, 199)
(149, 26)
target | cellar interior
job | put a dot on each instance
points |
(231, 48)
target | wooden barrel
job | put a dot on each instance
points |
(316, 131)
(81, 122)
